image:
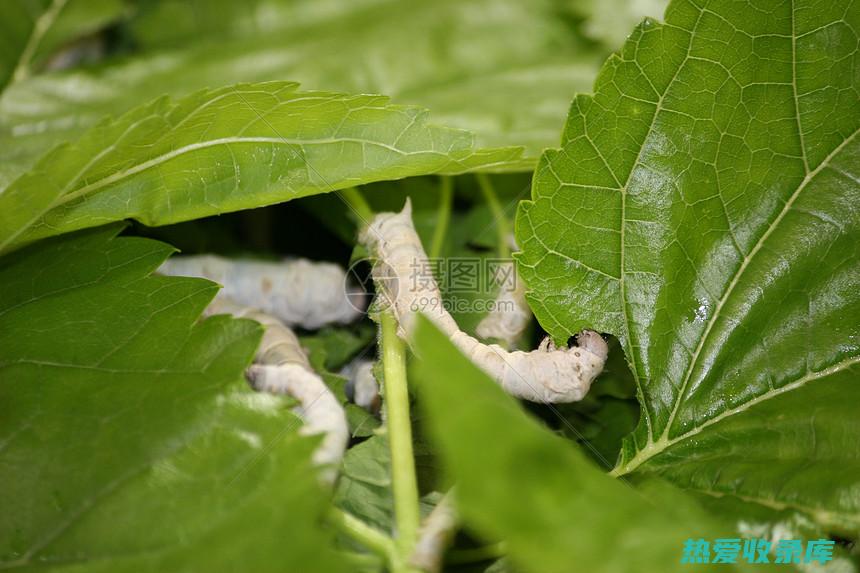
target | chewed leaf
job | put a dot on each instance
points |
(223, 150)
(703, 207)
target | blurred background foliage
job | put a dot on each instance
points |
(506, 70)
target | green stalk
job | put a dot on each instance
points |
(398, 424)
(404, 482)
(359, 205)
(446, 195)
(362, 561)
(366, 535)
(500, 220)
(41, 26)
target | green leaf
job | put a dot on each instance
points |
(503, 69)
(364, 488)
(129, 442)
(224, 150)
(703, 209)
(500, 68)
(330, 349)
(32, 30)
(518, 482)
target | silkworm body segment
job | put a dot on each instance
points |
(546, 375)
(510, 314)
(297, 291)
(282, 367)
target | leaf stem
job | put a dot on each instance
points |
(40, 28)
(443, 217)
(366, 535)
(404, 482)
(500, 220)
(363, 561)
(359, 205)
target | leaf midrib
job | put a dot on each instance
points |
(694, 361)
(808, 176)
(154, 162)
(652, 446)
(664, 442)
(626, 338)
(165, 157)
(821, 515)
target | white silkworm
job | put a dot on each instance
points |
(297, 291)
(282, 367)
(545, 375)
(361, 387)
(435, 534)
(510, 313)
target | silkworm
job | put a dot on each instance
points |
(510, 314)
(435, 534)
(547, 374)
(297, 291)
(281, 366)
(361, 387)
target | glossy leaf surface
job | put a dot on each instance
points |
(704, 208)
